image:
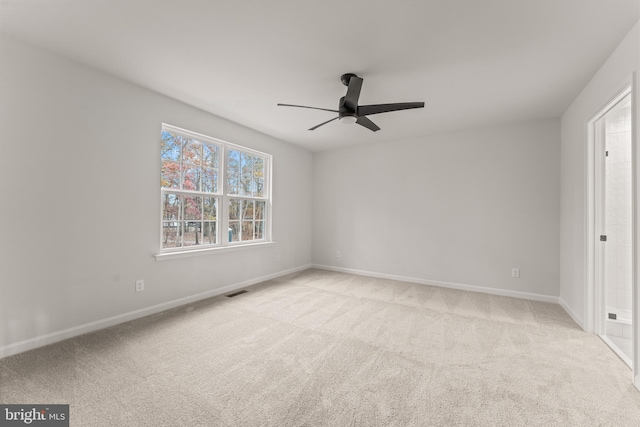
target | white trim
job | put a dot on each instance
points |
(590, 225)
(593, 323)
(599, 203)
(635, 290)
(571, 313)
(594, 316)
(165, 256)
(450, 285)
(53, 337)
(613, 347)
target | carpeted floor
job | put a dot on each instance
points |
(319, 348)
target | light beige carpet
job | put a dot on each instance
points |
(319, 348)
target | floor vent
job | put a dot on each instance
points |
(235, 294)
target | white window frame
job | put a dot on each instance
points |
(223, 197)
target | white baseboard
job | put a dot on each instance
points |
(571, 313)
(462, 287)
(53, 337)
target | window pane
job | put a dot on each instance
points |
(247, 209)
(259, 230)
(191, 178)
(209, 233)
(170, 234)
(258, 167)
(260, 207)
(192, 152)
(169, 147)
(246, 179)
(171, 207)
(192, 208)
(170, 174)
(259, 187)
(247, 230)
(234, 208)
(192, 233)
(210, 180)
(210, 208)
(233, 172)
(210, 155)
(234, 226)
(247, 164)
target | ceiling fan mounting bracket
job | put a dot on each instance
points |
(346, 78)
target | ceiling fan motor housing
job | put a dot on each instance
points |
(344, 111)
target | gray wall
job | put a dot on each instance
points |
(460, 209)
(80, 206)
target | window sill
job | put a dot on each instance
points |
(165, 256)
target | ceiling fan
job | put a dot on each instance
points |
(350, 112)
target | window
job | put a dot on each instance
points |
(245, 186)
(208, 186)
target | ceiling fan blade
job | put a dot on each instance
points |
(363, 121)
(367, 110)
(324, 123)
(304, 106)
(353, 93)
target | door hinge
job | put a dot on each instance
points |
(603, 238)
(606, 153)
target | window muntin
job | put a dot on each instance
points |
(203, 195)
(246, 219)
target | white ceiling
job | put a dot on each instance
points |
(473, 62)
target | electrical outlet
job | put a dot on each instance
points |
(338, 254)
(515, 272)
(139, 285)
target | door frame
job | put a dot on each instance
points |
(594, 321)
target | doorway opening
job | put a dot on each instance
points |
(613, 221)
